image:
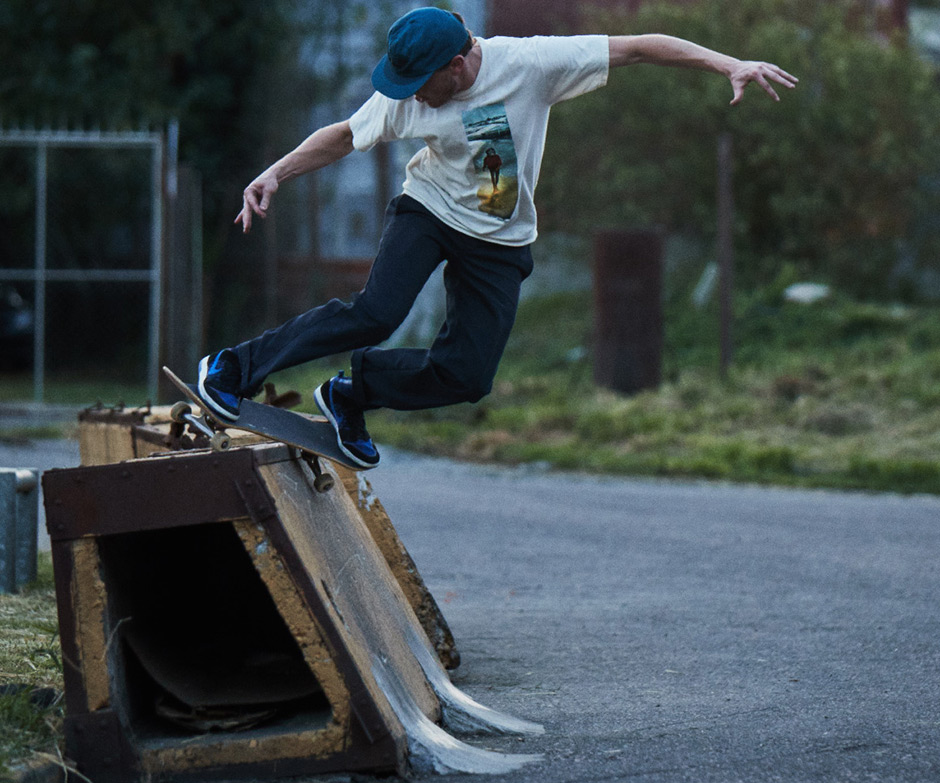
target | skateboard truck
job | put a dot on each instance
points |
(322, 482)
(182, 412)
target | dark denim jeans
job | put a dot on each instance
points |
(482, 280)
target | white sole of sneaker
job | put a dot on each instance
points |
(215, 409)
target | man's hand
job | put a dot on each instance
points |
(256, 199)
(321, 148)
(745, 72)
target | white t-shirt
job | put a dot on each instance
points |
(480, 167)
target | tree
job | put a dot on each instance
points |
(127, 64)
(830, 181)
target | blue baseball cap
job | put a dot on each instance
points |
(419, 43)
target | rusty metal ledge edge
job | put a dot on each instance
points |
(173, 490)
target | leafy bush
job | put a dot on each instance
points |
(837, 181)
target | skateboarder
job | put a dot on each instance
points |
(441, 84)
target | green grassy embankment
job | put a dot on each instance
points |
(835, 394)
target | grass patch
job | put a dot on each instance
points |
(21, 435)
(837, 394)
(31, 708)
(73, 389)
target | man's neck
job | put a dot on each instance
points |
(472, 63)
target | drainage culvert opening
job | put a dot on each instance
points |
(202, 647)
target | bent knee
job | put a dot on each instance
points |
(477, 392)
(470, 389)
(379, 332)
(374, 328)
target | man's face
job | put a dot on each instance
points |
(439, 89)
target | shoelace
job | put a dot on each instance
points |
(223, 375)
(353, 425)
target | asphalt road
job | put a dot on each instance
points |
(669, 631)
(678, 631)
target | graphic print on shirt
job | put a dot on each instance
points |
(494, 159)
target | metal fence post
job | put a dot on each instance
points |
(19, 507)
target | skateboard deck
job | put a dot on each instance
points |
(313, 436)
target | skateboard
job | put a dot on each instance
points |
(314, 437)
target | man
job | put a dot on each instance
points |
(492, 163)
(462, 95)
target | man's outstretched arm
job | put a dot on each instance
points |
(321, 148)
(667, 50)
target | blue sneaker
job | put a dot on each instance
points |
(219, 380)
(335, 400)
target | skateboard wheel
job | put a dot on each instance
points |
(180, 411)
(323, 483)
(220, 441)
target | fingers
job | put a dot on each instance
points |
(765, 85)
(250, 201)
(760, 73)
(780, 75)
(245, 218)
(251, 206)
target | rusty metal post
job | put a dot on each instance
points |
(628, 320)
(900, 10)
(725, 250)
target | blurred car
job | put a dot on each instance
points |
(17, 325)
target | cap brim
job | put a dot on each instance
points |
(394, 86)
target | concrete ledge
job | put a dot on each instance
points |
(240, 604)
(108, 436)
